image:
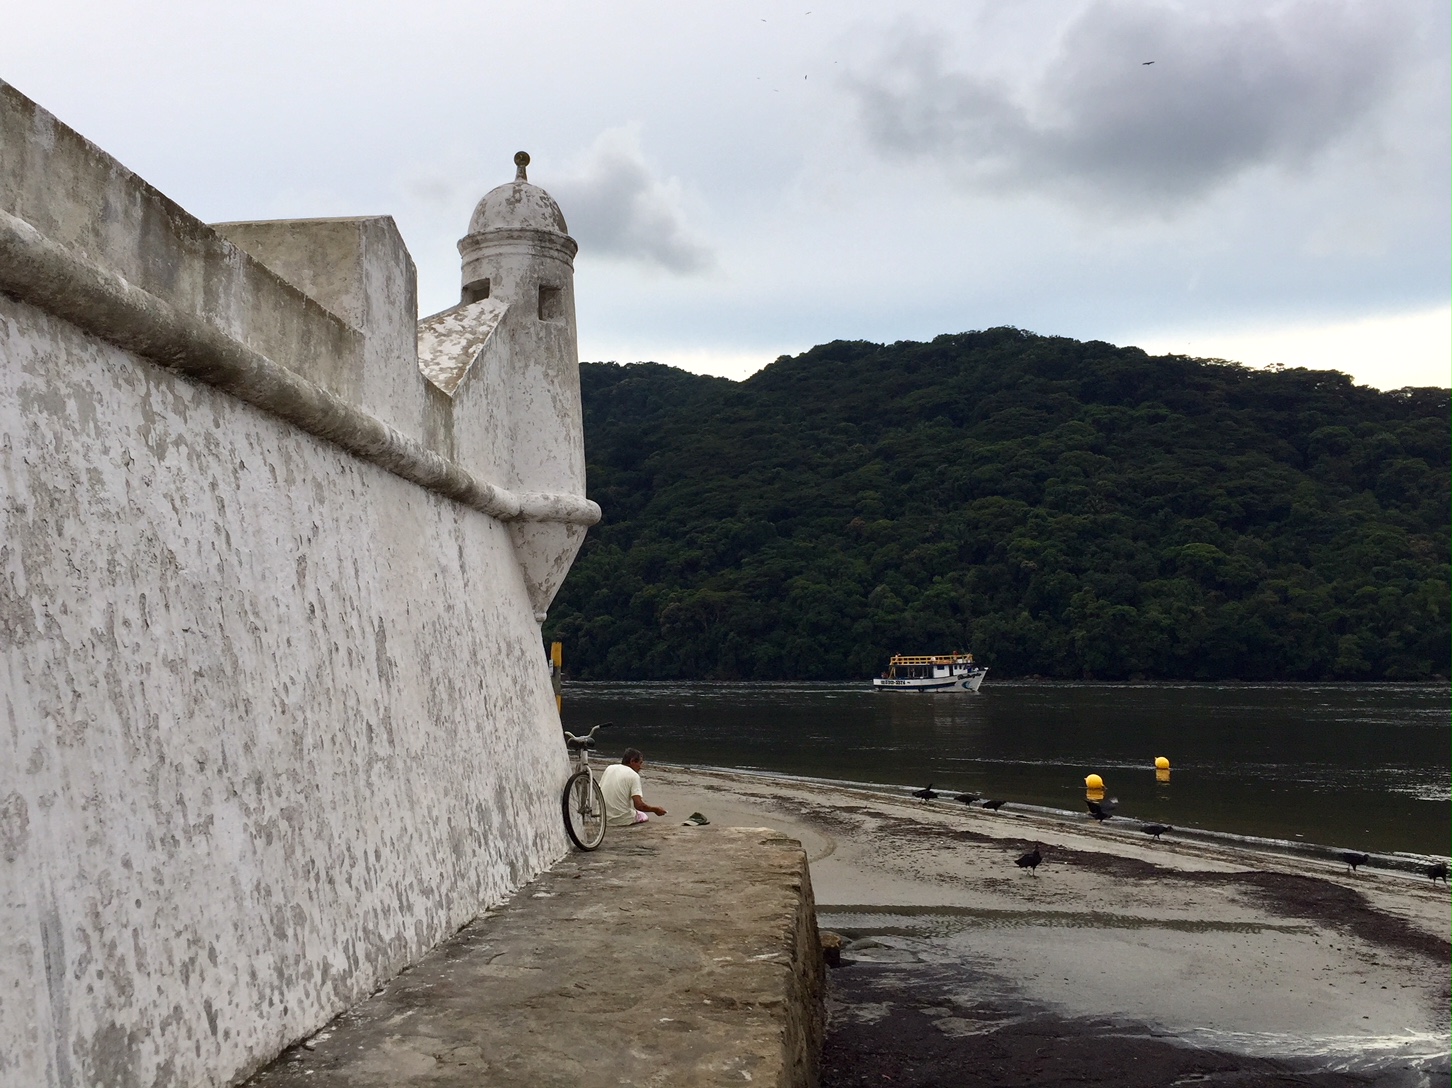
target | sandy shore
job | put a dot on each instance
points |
(1280, 969)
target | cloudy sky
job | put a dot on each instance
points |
(749, 178)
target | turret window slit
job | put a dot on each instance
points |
(551, 303)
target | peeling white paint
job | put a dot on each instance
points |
(449, 342)
(526, 378)
(274, 720)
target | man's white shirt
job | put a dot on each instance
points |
(619, 784)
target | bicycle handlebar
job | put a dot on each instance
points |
(588, 736)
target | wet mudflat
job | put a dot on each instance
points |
(1120, 960)
(915, 1026)
(905, 1012)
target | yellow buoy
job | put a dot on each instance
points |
(1161, 763)
(1093, 782)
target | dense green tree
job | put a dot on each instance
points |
(1061, 508)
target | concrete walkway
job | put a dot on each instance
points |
(672, 956)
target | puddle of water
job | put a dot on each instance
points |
(1415, 1053)
(932, 953)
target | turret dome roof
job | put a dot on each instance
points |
(517, 204)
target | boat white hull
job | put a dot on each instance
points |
(944, 685)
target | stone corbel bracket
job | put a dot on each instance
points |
(52, 277)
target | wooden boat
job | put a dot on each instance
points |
(935, 673)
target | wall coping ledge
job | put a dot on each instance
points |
(97, 300)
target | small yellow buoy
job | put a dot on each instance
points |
(1161, 763)
(1093, 782)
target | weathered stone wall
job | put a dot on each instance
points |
(274, 718)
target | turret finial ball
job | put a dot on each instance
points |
(521, 160)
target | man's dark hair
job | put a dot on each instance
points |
(631, 755)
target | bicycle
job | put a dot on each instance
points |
(582, 803)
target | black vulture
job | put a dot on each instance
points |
(1102, 810)
(994, 805)
(1438, 872)
(927, 794)
(1155, 829)
(966, 798)
(1031, 861)
(1354, 859)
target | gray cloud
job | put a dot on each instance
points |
(1232, 87)
(617, 206)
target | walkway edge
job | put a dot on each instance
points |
(672, 956)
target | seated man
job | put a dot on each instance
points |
(620, 783)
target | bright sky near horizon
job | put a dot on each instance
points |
(1259, 180)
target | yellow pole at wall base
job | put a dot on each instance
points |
(557, 664)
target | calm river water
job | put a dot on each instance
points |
(1349, 766)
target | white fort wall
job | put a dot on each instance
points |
(274, 717)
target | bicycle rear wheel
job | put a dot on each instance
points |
(583, 806)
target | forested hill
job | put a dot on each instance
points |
(1060, 508)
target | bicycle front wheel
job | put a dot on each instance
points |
(584, 807)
